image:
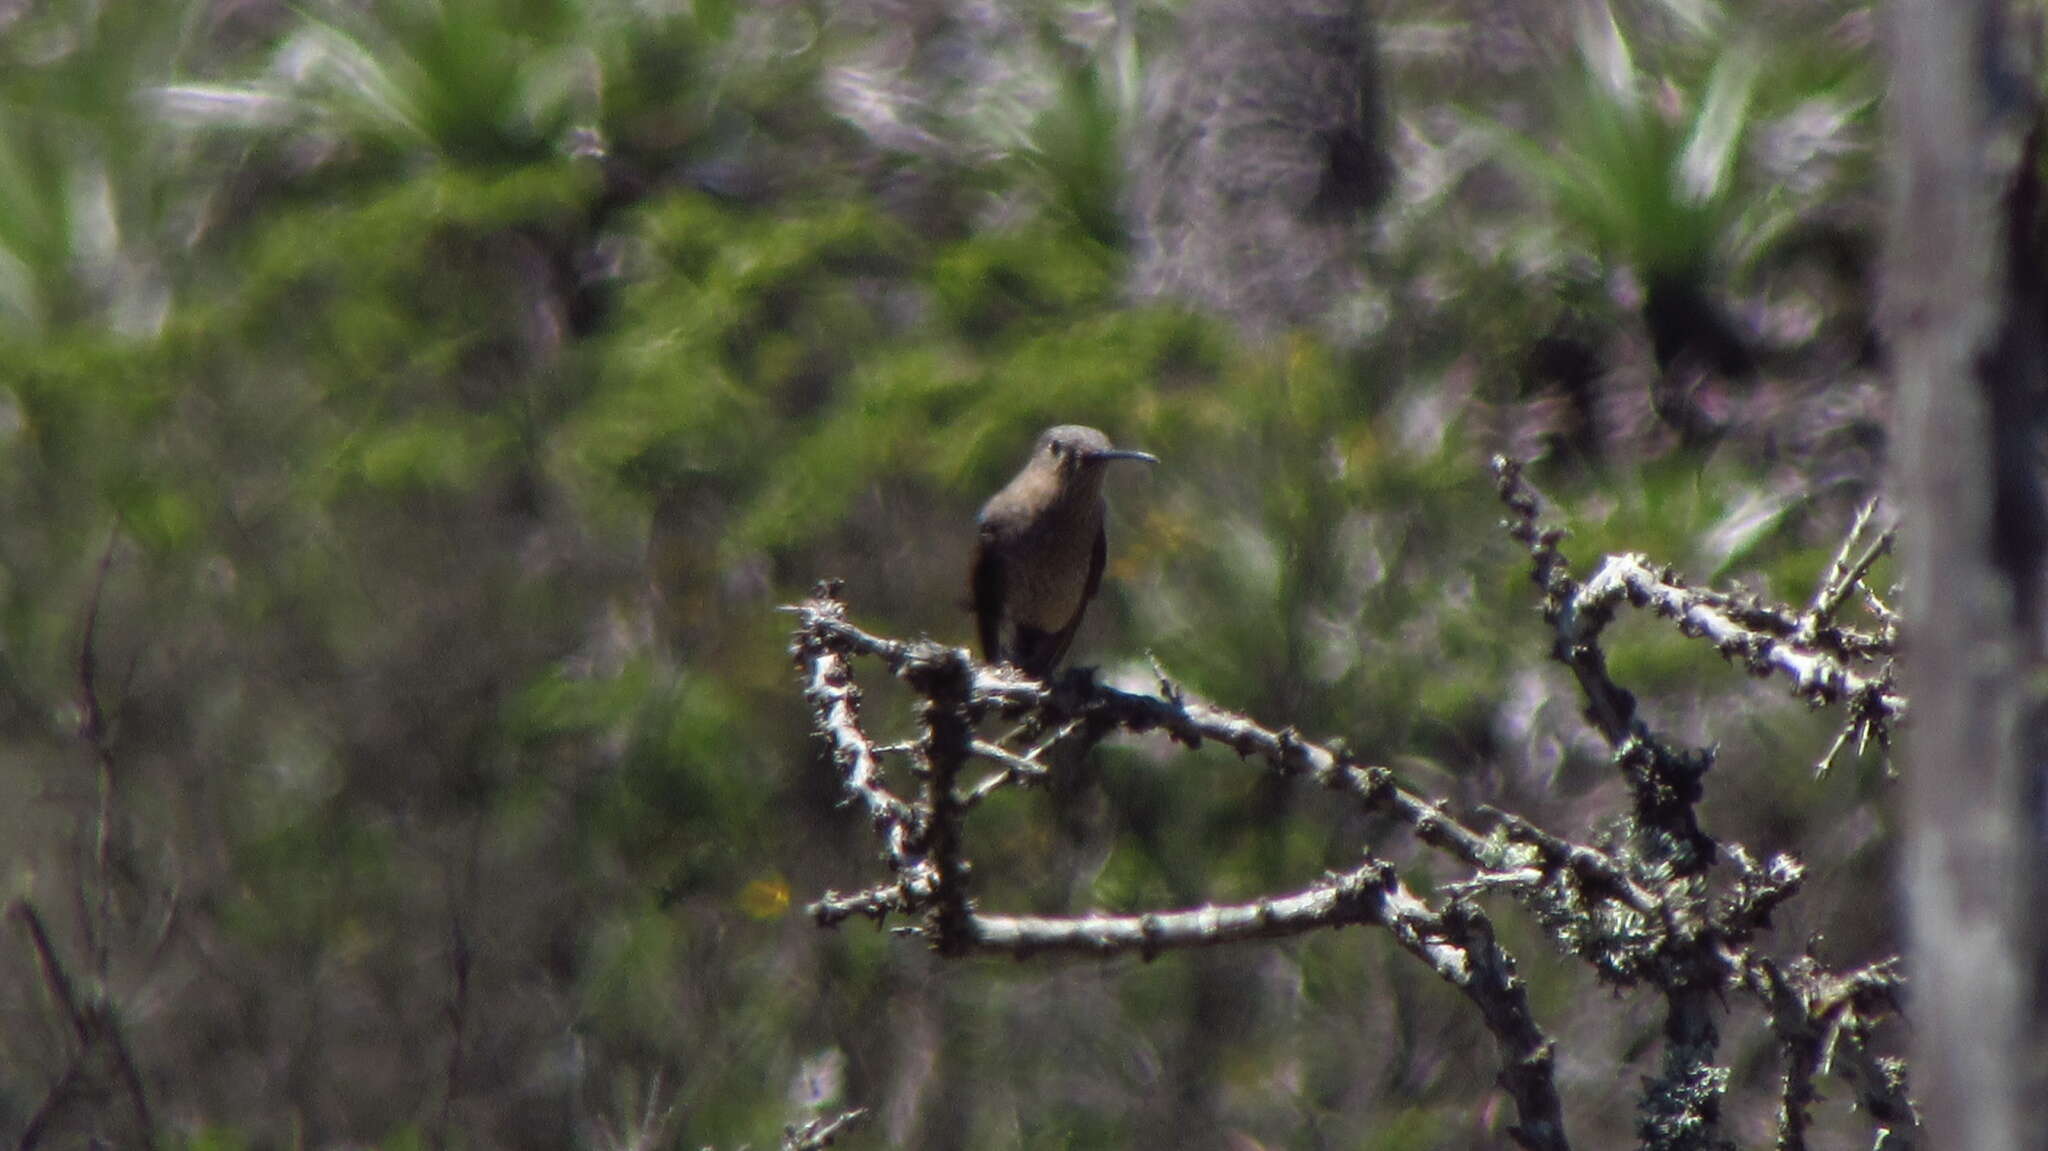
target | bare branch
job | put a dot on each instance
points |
(836, 701)
(92, 1022)
(1017, 769)
(1816, 675)
(823, 1132)
(1371, 893)
(92, 730)
(1844, 576)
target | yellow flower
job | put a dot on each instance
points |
(765, 898)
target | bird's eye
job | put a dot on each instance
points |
(1052, 449)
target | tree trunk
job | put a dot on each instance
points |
(1960, 273)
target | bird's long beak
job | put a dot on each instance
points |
(1122, 454)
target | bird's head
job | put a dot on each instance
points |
(1072, 449)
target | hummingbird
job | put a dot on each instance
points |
(1040, 548)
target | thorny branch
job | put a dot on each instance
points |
(922, 840)
(1664, 905)
(1819, 656)
(1705, 950)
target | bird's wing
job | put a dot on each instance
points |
(985, 592)
(1063, 638)
(1096, 560)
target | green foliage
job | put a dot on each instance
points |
(35, 224)
(1075, 151)
(633, 956)
(84, 185)
(467, 81)
(726, 336)
(420, 455)
(495, 84)
(312, 883)
(994, 284)
(1648, 176)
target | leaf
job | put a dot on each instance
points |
(1708, 160)
(1605, 51)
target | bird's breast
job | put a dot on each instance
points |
(1046, 571)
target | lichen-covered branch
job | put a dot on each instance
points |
(924, 840)
(1661, 905)
(1369, 894)
(1702, 949)
(1809, 648)
(1822, 1023)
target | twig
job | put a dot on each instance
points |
(457, 1011)
(91, 1023)
(54, 1101)
(1844, 577)
(54, 975)
(1816, 675)
(92, 729)
(836, 701)
(1369, 894)
(948, 741)
(1017, 769)
(1767, 640)
(822, 1132)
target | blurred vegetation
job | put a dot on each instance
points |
(454, 389)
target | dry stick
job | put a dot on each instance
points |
(1679, 1106)
(1765, 639)
(1809, 649)
(1845, 577)
(1457, 944)
(823, 1132)
(1190, 721)
(88, 1024)
(1838, 582)
(1368, 894)
(457, 1012)
(92, 729)
(54, 975)
(1017, 769)
(1815, 675)
(1759, 892)
(54, 1102)
(821, 647)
